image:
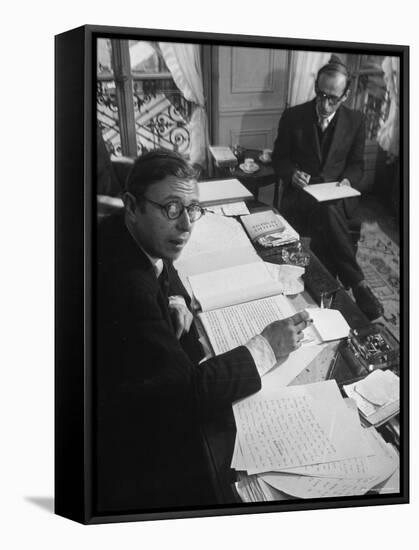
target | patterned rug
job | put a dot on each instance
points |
(379, 259)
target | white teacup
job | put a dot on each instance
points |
(248, 163)
(266, 155)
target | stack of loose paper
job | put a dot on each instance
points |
(223, 156)
(377, 396)
(306, 442)
(220, 191)
(255, 489)
(230, 209)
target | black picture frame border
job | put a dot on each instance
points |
(75, 215)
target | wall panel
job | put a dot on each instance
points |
(251, 95)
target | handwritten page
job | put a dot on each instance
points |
(233, 285)
(380, 466)
(233, 326)
(280, 432)
(296, 426)
(330, 191)
(314, 487)
(287, 427)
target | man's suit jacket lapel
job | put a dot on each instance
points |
(130, 256)
(338, 136)
(163, 295)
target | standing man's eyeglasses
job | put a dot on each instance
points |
(332, 99)
(174, 209)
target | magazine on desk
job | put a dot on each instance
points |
(268, 229)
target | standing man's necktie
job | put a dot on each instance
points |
(323, 123)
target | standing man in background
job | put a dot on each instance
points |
(321, 141)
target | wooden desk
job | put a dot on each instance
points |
(219, 433)
(264, 176)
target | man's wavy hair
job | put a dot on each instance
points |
(335, 66)
(155, 166)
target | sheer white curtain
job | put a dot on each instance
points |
(184, 63)
(388, 134)
(303, 70)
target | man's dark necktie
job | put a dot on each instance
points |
(164, 282)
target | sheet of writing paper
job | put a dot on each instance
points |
(330, 191)
(384, 460)
(281, 430)
(288, 368)
(329, 323)
(237, 460)
(278, 433)
(365, 406)
(316, 487)
(349, 467)
(375, 414)
(288, 276)
(233, 326)
(392, 484)
(363, 466)
(341, 423)
(235, 209)
(382, 465)
(379, 387)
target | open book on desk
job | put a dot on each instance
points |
(217, 242)
(221, 267)
(233, 326)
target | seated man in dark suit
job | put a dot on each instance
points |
(321, 141)
(152, 395)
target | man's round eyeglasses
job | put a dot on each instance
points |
(332, 99)
(174, 209)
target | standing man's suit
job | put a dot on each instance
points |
(152, 394)
(332, 155)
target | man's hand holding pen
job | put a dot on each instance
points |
(300, 179)
(344, 182)
(286, 335)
